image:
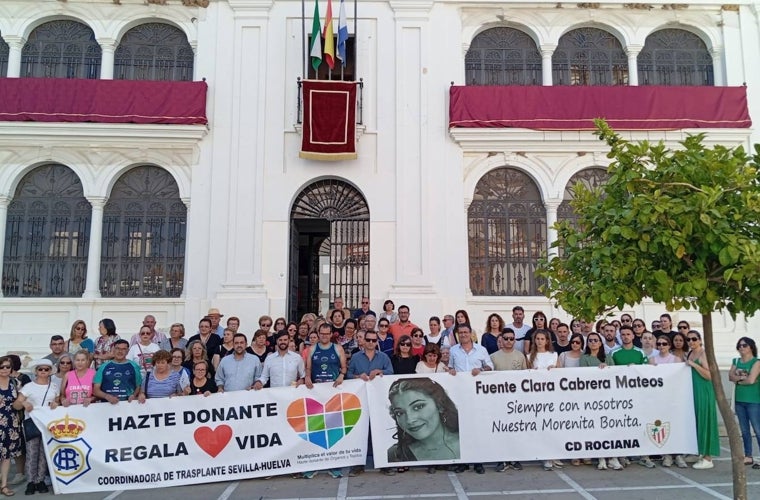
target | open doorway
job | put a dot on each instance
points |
(329, 248)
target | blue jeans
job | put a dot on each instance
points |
(748, 413)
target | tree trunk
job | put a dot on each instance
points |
(734, 434)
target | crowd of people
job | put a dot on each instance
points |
(344, 344)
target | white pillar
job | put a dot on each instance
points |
(633, 64)
(92, 285)
(108, 48)
(413, 88)
(183, 295)
(546, 65)
(4, 202)
(551, 219)
(15, 44)
(717, 59)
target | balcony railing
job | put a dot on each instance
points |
(102, 101)
(576, 107)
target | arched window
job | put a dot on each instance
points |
(4, 51)
(144, 224)
(589, 56)
(591, 178)
(503, 56)
(675, 57)
(61, 49)
(46, 236)
(154, 51)
(506, 225)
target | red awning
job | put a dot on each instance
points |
(575, 108)
(102, 101)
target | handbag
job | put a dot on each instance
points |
(30, 430)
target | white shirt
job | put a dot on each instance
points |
(545, 360)
(282, 371)
(40, 395)
(519, 335)
(434, 340)
(143, 356)
(463, 361)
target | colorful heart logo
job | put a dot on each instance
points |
(213, 441)
(324, 425)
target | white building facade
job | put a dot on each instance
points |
(248, 227)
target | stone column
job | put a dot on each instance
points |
(15, 44)
(546, 65)
(717, 60)
(92, 284)
(4, 202)
(551, 218)
(633, 67)
(183, 295)
(108, 48)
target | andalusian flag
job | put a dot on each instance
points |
(315, 51)
(342, 32)
(329, 41)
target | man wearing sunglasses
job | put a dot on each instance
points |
(366, 365)
(508, 358)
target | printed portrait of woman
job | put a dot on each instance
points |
(427, 421)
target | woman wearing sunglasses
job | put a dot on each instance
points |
(705, 411)
(403, 361)
(594, 355)
(40, 392)
(572, 358)
(744, 373)
(663, 356)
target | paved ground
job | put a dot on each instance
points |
(635, 482)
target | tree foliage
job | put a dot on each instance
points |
(681, 227)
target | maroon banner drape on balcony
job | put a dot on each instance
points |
(102, 101)
(575, 108)
(329, 120)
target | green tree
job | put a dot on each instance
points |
(679, 226)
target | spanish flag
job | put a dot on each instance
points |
(328, 36)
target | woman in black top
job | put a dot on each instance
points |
(403, 361)
(201, 383)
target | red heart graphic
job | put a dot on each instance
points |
(213, 441)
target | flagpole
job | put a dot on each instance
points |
(303, 40)
(356, 43)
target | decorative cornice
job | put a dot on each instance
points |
(484, 140)
(411, 8)
(78, 134)
(90, 143)
(186, 3)
(256, 8)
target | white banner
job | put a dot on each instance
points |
(532, 415)
(192, 439)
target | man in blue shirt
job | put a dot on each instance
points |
(369, 363)
(366, 365)
(364, 309)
